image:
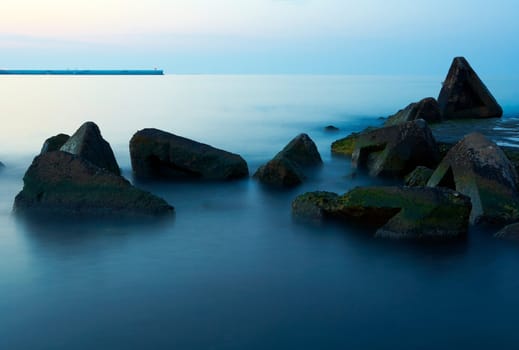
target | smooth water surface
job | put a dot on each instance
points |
(233, 270)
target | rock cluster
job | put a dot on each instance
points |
(82, 179)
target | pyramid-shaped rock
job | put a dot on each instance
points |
(88, 144)
(464, 95)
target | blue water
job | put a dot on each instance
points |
(233, 270)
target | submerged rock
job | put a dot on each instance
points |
(396, 150)
(509, 232)
(88, 144)
(60, 183)
(418, 177)
(331, 128)
(421, 213)
(159, 154)
(54, 143)
(426, 109)
(464, 95)
(478, 168)
(287, 167)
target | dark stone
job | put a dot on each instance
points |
(331, 128)
(509, 232)
(464, 95)
(159, 154)
(421, 213)
(88, 144)
(2, 165)
(426, 109)
(287, 167)
(418, 177)
(478, 168)
(54, 143)
(396, 150)
(60, 183)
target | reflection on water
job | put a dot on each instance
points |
(233, 270)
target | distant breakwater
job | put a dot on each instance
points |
(80, 72)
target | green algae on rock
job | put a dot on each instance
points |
(394, 151)
(478, 168)
(421, 213)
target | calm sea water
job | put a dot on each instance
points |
(233, 270)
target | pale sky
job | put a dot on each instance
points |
(261, 36)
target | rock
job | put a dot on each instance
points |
(422, 213)
(426, 109)
(331, 128)
(159, 154)
(396, 150)
(60, 183)
(478, 168)
(418, 177)
(54, 143)
(287, 167)
(464, 95)
(509, 232)
(88, 144)
(346, 145)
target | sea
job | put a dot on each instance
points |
(233, 269)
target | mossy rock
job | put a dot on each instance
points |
(394, 151)
(418, 177)
(346, 145)
(478, 168)
(420, 213)
(60, 183)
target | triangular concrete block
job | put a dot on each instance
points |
(464, 95)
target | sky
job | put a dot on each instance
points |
(389, 37)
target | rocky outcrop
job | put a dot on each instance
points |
(478, 168)
(88, 144)
(418, 177)
(396, 150)
(59, 183)
(159, 154)
(54, 143)
(331, 128)
(426, 109)
(421, 213)
(509, 232)
(464, 95)
(287, 167)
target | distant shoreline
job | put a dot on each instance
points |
(81, 72)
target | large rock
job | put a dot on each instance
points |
(54, 143)
(478, 168)
(426, 109)
(396, 150)
(60, 183)
(159, 154)
(88, 144)
(395, 212)
(509, 232)
(287, 167)
(464, 95)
